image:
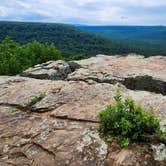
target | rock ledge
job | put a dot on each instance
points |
(61, 128)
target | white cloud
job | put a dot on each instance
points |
(3, 11)
(86, 11)
(23, 4)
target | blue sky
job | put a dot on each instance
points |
(92, 12)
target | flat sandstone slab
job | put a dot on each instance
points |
(61, 128)
(133, 71)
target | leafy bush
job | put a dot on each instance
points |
(127, 121)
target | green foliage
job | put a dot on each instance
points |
(19, 107)
(127, 121)
(161, 135)
(124, 142)
(70, 40)
(150, 39)
(75, 57)
(14, 110)
(35, 99)
(15, 58)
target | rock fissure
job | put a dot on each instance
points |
(18, 106)
(43, 148)
(145, 83)
(65, 117)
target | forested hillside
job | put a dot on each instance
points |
(152, 39)
(70, 40)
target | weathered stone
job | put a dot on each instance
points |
(160, 152)
(61, 128)
(20, 90)
(136, 155)
(135, 72)
(52, 70)
(81, 101)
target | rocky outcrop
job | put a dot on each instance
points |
(61, 128)
(52, 70)
(133, 71)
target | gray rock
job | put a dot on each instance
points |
(53, 70)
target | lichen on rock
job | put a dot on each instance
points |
(92, 146)
(159, 152)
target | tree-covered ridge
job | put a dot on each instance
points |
(150, 38)
(14, 58)
(68, 39)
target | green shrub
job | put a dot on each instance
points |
(127, 121)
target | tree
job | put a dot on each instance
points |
(15, 58)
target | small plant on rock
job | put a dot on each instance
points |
(127, 122)
(14, 110)
(35, 99)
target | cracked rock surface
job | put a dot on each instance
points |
(61, 128)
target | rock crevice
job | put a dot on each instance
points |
(145, 82)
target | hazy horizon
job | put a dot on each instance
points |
(80, 24)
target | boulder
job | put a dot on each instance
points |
(52, 70)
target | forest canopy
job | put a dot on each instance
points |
(14, 58)
(68, 39)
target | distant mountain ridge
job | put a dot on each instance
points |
(70, 40)
(150, 38)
